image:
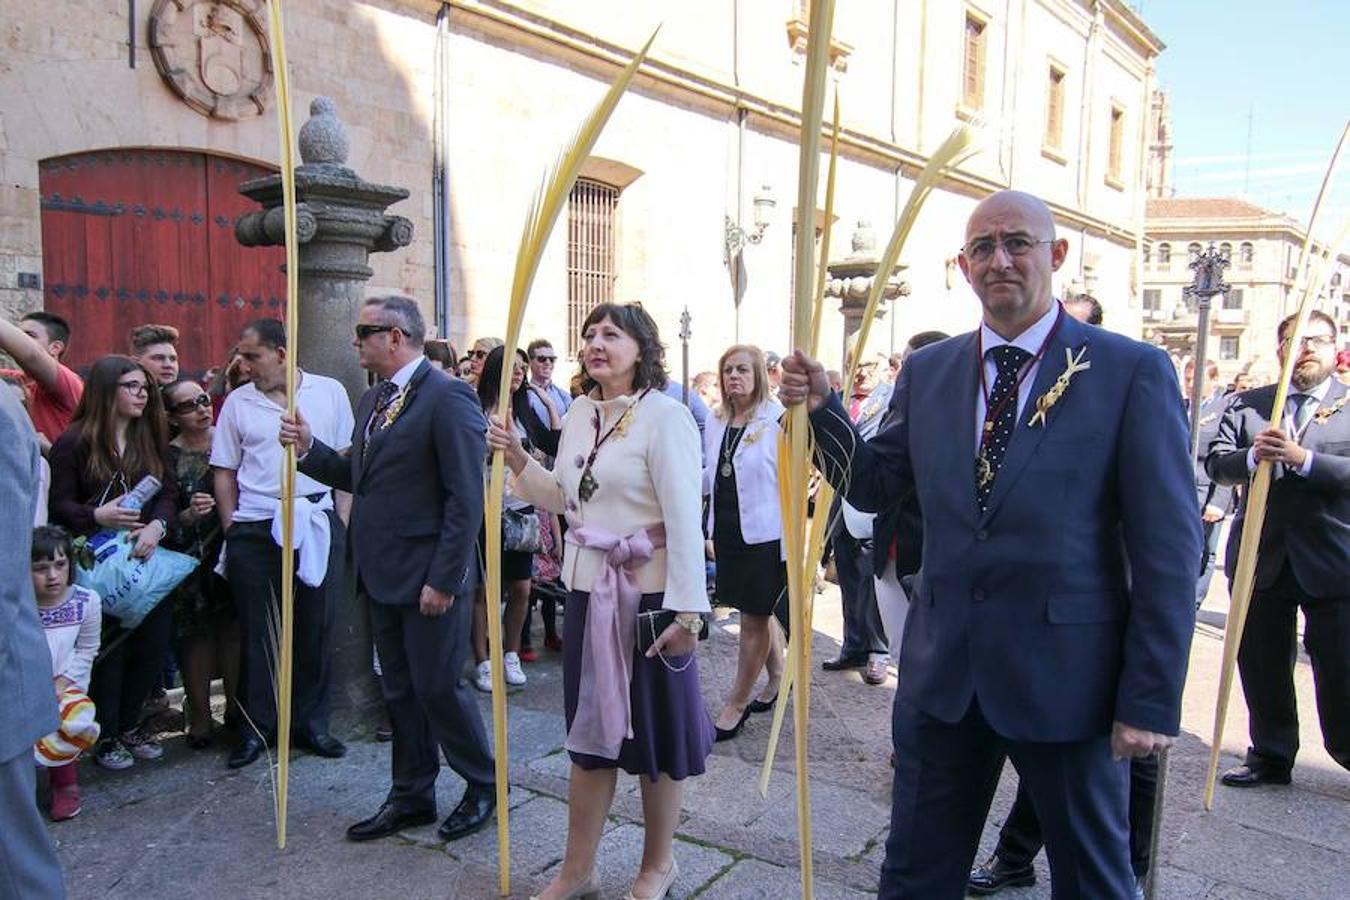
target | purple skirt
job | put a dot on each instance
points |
(672, 730)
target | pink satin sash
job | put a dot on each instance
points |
(604, 715)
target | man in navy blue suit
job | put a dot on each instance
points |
(1051, 617)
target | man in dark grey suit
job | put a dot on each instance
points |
(1215, 499)
(1304, 554)
(415, 472)
(28, 867)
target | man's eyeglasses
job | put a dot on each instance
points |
(201, 401)
(541, 358)
(982, 249)
(1316, 342)
(365, 331)
(134, 388)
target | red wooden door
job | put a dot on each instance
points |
(131, 237)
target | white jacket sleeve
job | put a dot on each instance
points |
(676, 465)
(81, 659)
(539, 487)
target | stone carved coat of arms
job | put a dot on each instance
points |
(213, 54)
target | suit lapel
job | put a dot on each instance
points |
(962, 376)
(1335, 393)
(1027, 439)
(363, 410)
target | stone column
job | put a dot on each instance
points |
(341, 220)
(850, 281)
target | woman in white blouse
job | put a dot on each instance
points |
(740, 475)
(627, 480)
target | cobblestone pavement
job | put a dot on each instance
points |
(188, 827)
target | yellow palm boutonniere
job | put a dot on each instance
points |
(621, 427)
(1326, 412)
(1073, 365)
(392, 413)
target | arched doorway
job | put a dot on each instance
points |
(135, 236)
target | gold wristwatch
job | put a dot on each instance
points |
(690, 622)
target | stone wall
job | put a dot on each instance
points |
(521, 76)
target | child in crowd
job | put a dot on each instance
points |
(71, 617)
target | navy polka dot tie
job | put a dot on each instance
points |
(1009, 361)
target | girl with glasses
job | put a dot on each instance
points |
(117, 436)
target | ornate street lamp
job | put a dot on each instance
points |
(685, 335)
(1208, 266)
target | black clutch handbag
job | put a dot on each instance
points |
(653, 622)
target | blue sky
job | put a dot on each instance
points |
(1286, 63)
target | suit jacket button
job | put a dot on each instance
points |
(982, 535)
(977, 595)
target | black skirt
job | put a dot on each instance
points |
(753, 580)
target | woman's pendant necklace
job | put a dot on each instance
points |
(587, 487)
(729, 449)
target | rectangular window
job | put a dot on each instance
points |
(1117, 145)
(972, 69)
(1054, 109)
(590, 254)
(1233, 299)
(1152, 299)
(1228, 347)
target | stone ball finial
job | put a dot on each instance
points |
(864, 240)
(323, 139)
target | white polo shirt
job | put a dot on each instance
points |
(246, 440)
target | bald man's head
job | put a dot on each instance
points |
(1032, 208)
(1009, 256)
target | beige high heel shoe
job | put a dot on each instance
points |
(663, 889)
(587, 890)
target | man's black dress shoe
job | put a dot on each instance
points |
(390, 819)
(994, 875)
(1250, 775)
(324, 745)
(472, 814)
(841, 662)
(247, 751)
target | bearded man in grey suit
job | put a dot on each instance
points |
(28, 866)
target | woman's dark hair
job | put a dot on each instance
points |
(634, 321)
(48, 540)
(147, 436)
(537, 431)
(442, 352)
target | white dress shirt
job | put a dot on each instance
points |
(245, 440)
(1030, 341)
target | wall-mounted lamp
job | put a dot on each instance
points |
(737, 237)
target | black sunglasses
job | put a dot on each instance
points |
(201, 401)
(365, 331)
(540, 357)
